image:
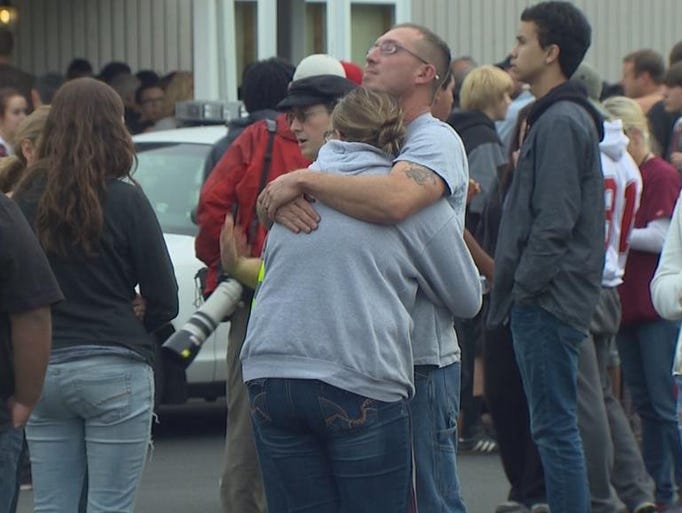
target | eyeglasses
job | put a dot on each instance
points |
(391, 47)
(303, 115)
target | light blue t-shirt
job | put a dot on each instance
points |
(435, 145)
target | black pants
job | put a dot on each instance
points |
(508, 408)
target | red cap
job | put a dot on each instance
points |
(353, 72)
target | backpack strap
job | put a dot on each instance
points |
(267, 160)
(264, 174)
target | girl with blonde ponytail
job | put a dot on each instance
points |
(331, 325)
(370, 117)
(646, 342)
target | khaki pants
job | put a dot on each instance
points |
(241, 485)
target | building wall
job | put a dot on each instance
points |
(158, 34)
(485, 29)
(147, 34)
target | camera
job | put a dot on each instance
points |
(183, 345)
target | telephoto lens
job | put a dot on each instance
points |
(183, 345)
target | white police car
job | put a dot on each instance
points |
(171, 170)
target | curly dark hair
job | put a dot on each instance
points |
(564, 25)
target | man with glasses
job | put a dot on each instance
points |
(409, 62)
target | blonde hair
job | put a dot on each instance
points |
(483, 87)
(179, 89)
(30, 129)
(630, 113)
(370, 117)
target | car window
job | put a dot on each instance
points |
(171, 175)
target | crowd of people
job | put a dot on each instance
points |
(438, 256)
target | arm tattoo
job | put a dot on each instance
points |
(420, 174)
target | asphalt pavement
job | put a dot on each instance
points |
(182, 473)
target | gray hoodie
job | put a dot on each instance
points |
(550, 249)
(336, 305)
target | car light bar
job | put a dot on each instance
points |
(208, 112)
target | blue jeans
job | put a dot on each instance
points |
(678, 385)
(329, 450)
(95, 414)
(11, 441)
(647, 351)
(547, 354)
(434, 410)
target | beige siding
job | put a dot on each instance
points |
(485, 29)
(158, 34)
(154, 34)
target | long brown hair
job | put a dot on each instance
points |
(84, 143)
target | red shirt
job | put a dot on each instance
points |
(661, 185)
(236, 179)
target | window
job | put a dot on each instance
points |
(316, 28)
(369, 21)
(171, 176)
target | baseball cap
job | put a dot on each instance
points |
(589, 77)
(353, 72)
(315, 89)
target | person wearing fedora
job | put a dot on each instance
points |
(308, 108)
(232, 187)
(409, 62)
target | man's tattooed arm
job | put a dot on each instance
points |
(420, 174)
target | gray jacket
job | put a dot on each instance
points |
(550, 249)
(335, 305)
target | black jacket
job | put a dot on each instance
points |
(485, 155)
(99, 289)
(550, 249)
(234, 128)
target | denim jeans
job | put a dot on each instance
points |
(508, 408)
(329, 450)
(629, 476)
(547, 354)
(646, 351)
(678, 388)
(95, 414)
(10, 449)
(434, 410)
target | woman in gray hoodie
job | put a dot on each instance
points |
(328, 356)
